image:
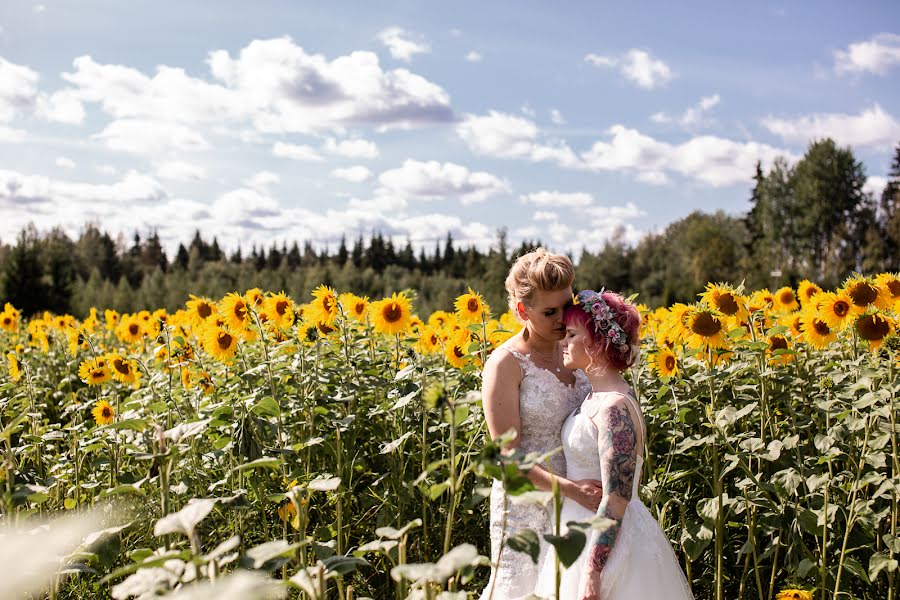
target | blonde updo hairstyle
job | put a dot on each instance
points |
(538, 270)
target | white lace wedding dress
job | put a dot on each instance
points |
(544, 403)
(642, 563)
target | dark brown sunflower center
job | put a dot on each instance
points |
(324, 328)
(281, 307)
(328, 303)
(433, 339)
(133, 329)
(122, 367)
(706, 325)
(778, 343)
(240, 310)
(811, 291)
(893, 287)
(97, 374)
(873, 327)
(106, 412)
(359, 308)
(821, 327)
(841, 308)
(7, 320)
(204, 310)
(392, 312)
(727, 304)
(224, 340)
(863, 294)
(473, 305)
(786, 297)
(458, 352)
(670, 362)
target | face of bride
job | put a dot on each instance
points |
(575, 348)
(545, 315)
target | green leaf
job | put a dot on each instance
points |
(324, 484)
(132, 424)
(185, 520)
(267, 407)
(437, 489)
(266, 462)
(663, 390)
(852, 565)
(527, 541)
(258, 556)
(568, 546)
(881, 562)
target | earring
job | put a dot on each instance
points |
(525, 334)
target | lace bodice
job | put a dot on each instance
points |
(544, 403)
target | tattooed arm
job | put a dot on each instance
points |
(616, 443)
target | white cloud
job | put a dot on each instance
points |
(601, 214)
(474, 56)
(873, 127)
(17, 189)
(694, 116)
(355, 174)
(141, 136)
(433, 180)
(401, 45)
(180, 171)
(295, 152)
(507, 136)
(262, 180)
(352, 148)
(18, 89)
(106, 169)
(12, 136)
(63, 107)
(558, 199)
(875, 185)
(247, 208)
(556, 117)
(64, 162)
(273, 84)
(544, 215)
(638, 66)
(877, 55)
(711, 160)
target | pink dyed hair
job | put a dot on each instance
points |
(628, 318)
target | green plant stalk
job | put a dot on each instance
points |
(851, 517)
(451, 508)
(895, 467)
(424, 453)
(338, 496)
(717, 486)
(774, 566)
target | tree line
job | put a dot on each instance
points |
(809, 220)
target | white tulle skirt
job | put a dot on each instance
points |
(642, 564)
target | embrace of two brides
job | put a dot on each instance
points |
(558, 382)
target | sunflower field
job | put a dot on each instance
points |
(337, 448)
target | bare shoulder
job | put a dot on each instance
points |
(602, 406)
(502, 363)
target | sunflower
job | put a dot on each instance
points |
(761, 300)
(355, 307)
(416, 324)
(103, 413)
(254, 297)
(794, 594)
(73, 339)
(9, 322)
(705, 327)
(509, 322)
(187, 379)
(391, 315)
(94, 371)
(793, 321)
(815, 330)
(864, 292)
(874, 327)
(324, 329)
(471, 308)
(220, 343)
(440, 319)
(280, 310)
(324, 306)
(776, 343)
(307, 333)
(806, 290)
(123, 369)
(199, 309)
(665, 363)
(726, 300)
(15, 369)
(836, 309)
(455, 351)
(429, 341)
(675, 321)
(786, 300)
(206, 382)
(129, 329)
(236, 312)
(890, 285)
(112, 319)
(496, 333)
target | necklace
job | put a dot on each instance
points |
(551, 359)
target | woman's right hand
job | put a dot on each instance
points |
(586, 492)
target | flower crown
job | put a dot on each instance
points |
(604, 318)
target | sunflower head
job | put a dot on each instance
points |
(864, 292)
(220, 343)
(236, 311)
(665, 363)
(15, 369)
(279, 308)
(794, 594)
(103, 413)
(355, 307)
(254, 297)
(836, 309)
(391, 315)
(785, 300)
(200, 309)
(890, 286)
(705, 327)
(726, 300)
(471, 308)
(874, 327)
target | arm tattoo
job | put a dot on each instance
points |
(617, 444)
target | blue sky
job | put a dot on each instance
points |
(308, 121)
